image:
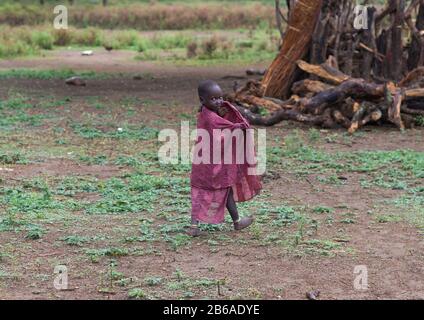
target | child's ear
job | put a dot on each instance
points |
(202, 100)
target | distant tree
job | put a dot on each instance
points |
(105, 3)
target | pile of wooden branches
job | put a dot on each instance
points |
(329, 73)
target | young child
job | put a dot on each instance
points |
(216, 186)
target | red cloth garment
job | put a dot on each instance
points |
(211, 181)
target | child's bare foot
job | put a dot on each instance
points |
(243, 223)
(194, 231)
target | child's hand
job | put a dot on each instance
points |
(222, 111)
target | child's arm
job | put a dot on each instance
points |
(229, 125)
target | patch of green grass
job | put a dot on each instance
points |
(18, 118)
(13, 158)
(408, 207)
(4, 275)
(96, 160)
(137, 193)
(322, 209)
(258, 46)
(178, 240)
(394, 169)
(75, 240)
(147, 232)
(285, 215)
(50, 74)
(332, 180)
(11, 222)
(69, 186)
(313, 135)
(136, 293)
(321, 247)
(153, 281)
(43, 40)
(420, 121)
(15, 112)
(36, 203)
(187, 284)
(35, 232)
(130, 161)
(128, 132)
(124, 282)
(15, 49)
(95, 254)
(384, 218)
(347, 221)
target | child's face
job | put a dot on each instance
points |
(213, 98)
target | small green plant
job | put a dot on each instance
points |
(293, 142)
(153, 281)
(35, 232)
(96, 254)
(321, 209)
(313, 135)
(43, 40)
(321, 247)
(420, 121)
(136, 293)
(347, 221)
(75, 240)
(384, 218)
(177, 241)
(12, 158)
(142, 45)
(179, 274)
(285, 215)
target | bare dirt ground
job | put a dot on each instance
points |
(393, 252)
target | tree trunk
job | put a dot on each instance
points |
(416, 50)
(296, 43)
(397, 43)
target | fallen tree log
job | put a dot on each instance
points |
(416, 112)
(257, 101)
(412, 76)
(352, 104)
(414, 93)
(308, 86)
(354, 88)
(394, 111)
(341, 119)
(360, 111)
(324, 71)
(280, 115)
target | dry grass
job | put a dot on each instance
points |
(146, 17)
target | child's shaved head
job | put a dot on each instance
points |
(210, 95)
(205, 87)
